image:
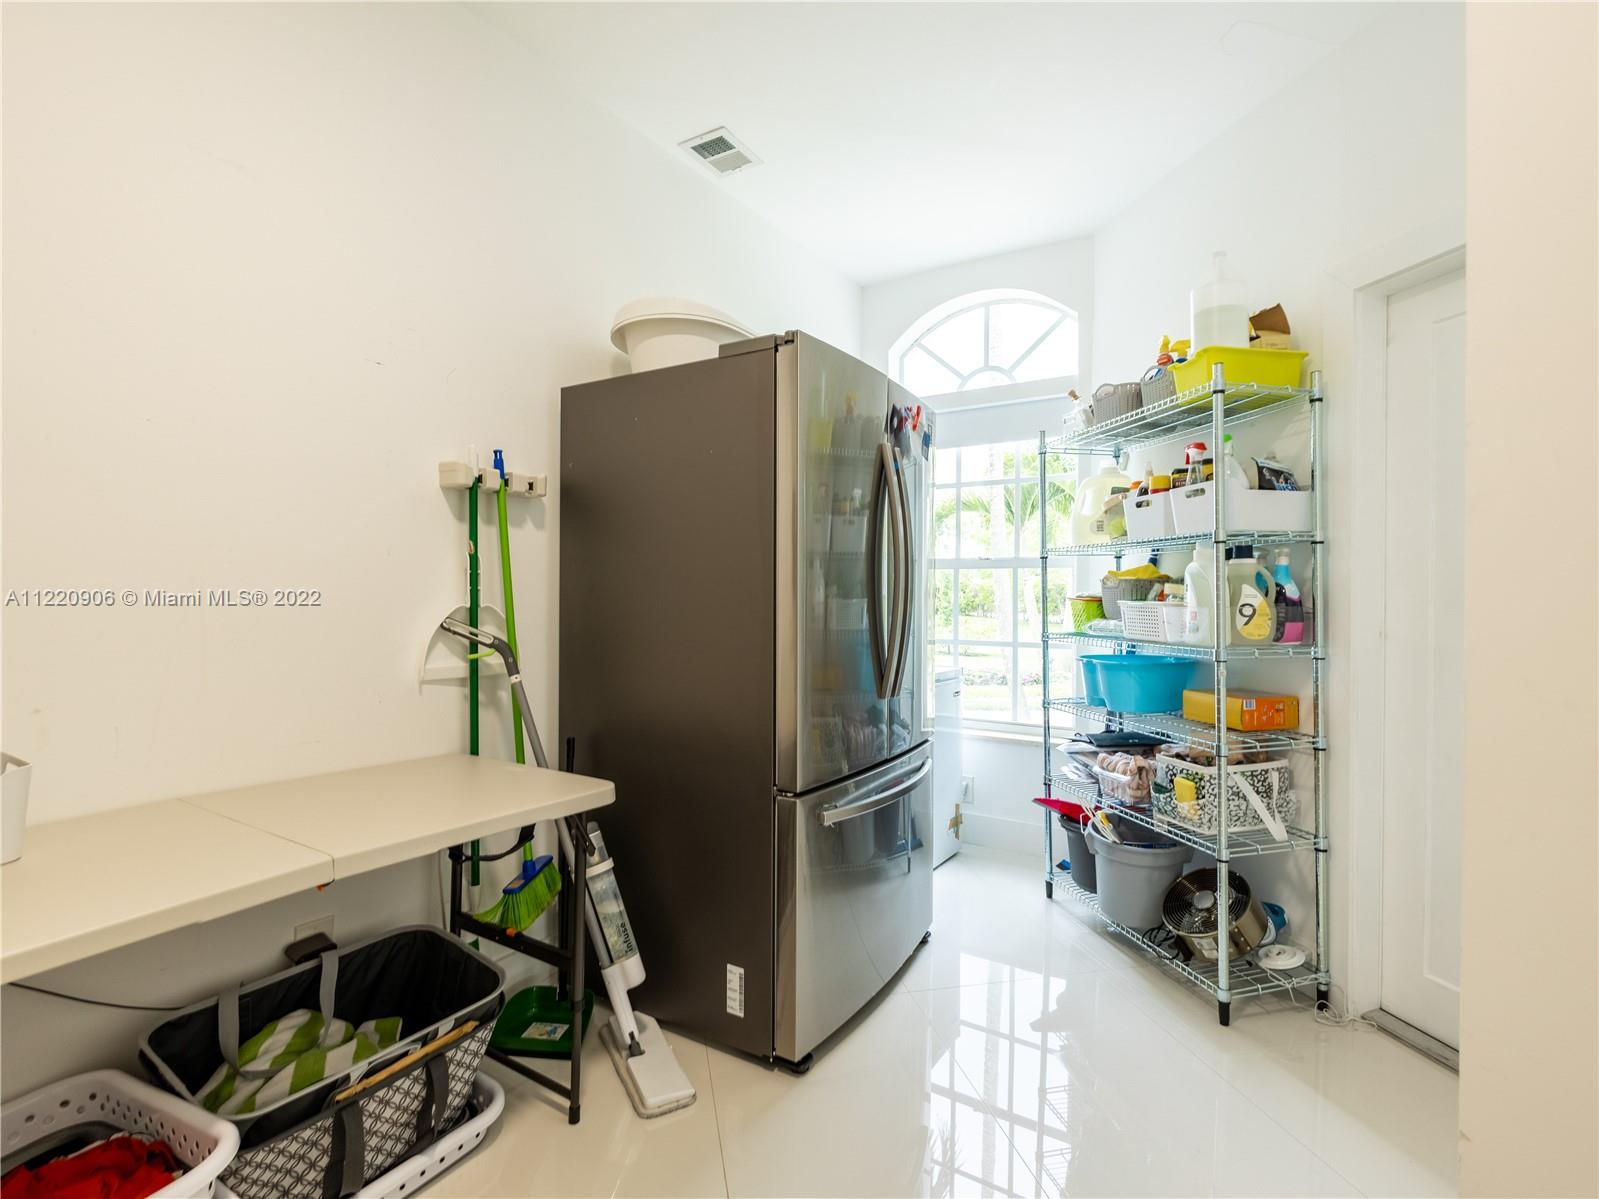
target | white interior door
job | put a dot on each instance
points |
(1424, 679)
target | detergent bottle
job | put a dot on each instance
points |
(1199, 625)
(1089, 521)
(1252, 614)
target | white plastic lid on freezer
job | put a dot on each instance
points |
(662, 331)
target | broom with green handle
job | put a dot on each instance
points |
(525, 898)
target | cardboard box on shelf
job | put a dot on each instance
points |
(1247, 711)
(1269, 330)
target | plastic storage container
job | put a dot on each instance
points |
(1193, 510)
(1132, 879)
(1113, 400)
(1218, 309)
(1137, 682)
(1085, 610)
(1116, 592)
(1148, 516)
(1268, 368)
(1142, 621)
(1078, 855)
(205, 1143)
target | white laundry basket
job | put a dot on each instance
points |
(416, 1171)
(201, 1141)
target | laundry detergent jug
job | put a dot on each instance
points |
(1089, 521)
(1252, 596)
(1199, 626)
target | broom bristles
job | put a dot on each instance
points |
(517, 910)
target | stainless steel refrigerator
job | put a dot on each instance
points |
(743, 548)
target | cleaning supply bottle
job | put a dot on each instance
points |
(1199, 625)
(1089, 521)
(1234, 472)
(1252, 616)
(1290, 604)
(1218, 310)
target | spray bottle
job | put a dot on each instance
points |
(1290, 604)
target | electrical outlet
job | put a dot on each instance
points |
(322, 924)
(968, 790)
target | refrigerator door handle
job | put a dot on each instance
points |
(867, 804)
(899, 583)
(907, 588)
(874, 578)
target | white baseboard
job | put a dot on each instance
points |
(1000, 832)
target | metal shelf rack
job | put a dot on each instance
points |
(1244, 979)
(1181, 649)
(1245, 843)
(1212, 410)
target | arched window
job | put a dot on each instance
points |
(987, 339)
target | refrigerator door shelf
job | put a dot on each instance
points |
(854, 892)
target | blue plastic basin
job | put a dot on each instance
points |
(1137, 682)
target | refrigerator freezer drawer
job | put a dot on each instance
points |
(854, 895)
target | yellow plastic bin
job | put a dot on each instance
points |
(1268, 368)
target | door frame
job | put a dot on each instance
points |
(1367, 558)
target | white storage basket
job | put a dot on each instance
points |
(1141, 620)
(201, 1141)
(1193, 510)
(1272, 783)
(1149, 516)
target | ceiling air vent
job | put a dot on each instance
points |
(721, 151)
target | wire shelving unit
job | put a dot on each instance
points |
(1212, 410)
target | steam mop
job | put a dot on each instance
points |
(654, 1082)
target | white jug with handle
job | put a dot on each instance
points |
(15, 775)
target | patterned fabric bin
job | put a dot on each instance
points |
(312, 1145)
(1272, 781)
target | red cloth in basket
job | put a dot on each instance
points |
(117, 1168)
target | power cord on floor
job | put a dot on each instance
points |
(126, 1007)
(1334, 1015)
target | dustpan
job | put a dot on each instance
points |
(536, 1022)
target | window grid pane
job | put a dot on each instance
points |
(987, 604)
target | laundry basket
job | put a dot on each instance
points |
(323, 1142)
(91, 1103)
(481, 1113)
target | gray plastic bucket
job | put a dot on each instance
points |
(1077, 854)
(1133, 879)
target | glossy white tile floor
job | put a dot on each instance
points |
(1019, 1053)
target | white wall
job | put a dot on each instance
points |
(265, 266)
(1354, 173)
(1529, 1036)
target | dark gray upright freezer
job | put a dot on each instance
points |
(742, 653)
